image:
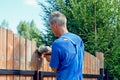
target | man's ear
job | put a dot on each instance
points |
(54, 24)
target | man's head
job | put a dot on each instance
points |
(57, 22)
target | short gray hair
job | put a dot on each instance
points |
(58, 17)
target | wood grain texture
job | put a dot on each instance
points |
(16, 55)
(2, 51)
(34, 57)
(9, 53)
(28, 57)
(22, 56)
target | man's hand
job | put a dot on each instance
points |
(45, 51)
(47, 55)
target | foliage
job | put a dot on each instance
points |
(96, 22)
(4, 24)
(82, 19)
(29, 31)
(48, 6)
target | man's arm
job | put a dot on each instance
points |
(48, 58)
(46, 54)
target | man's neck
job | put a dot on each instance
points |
(63, 31)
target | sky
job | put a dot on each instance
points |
(14, 11)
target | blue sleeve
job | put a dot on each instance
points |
(54, 62)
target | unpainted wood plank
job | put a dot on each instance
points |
(28, 57)
(2, 51)
(9, 53)
(92, 66)
(16, 55)
(88, 64)
(45, 67)
(98, 66)
(22, 56)
(100, 56)
(85, 63)
(95, 66)
(34, 57)
(49, 69)
(0, 41)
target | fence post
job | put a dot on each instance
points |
(106, 74)
(40, 75)
(35, 76)
(101, 74)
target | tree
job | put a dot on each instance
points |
(113, 54)
(96, 21)
(29, 31)
(4, 24)
(48, 6)
(83, 17)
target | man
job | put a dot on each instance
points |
(67, 51)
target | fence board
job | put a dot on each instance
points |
(45, 66)
(34, 57)
(49, 69)
(98, 67)
(92, 66)
(2, 51)
(95, 66)
(9, 52)
(88, 65)
(22, 56)
(85, 64)
(0, 39)
(16, 55)
(28, 57)
(100, 56)
(100, 62)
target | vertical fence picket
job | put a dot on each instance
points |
(98, 67)
(0, 44)
(16, 55)
(95, 67)
(22, 56)
(34, 57)
(2, 51)
(85, 63)
(89, 65)
(9, 53)
(28, 57)
(49, 69)
(45, 66)
(100, 56)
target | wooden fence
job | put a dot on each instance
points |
(17, 53)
